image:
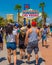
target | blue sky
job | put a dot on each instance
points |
(7, 6)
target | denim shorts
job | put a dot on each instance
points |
(44, 37)
(11, 45)
(32, 46)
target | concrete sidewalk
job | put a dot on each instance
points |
(47, 52)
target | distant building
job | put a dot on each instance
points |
(10, 17)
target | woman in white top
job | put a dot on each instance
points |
(11, 43)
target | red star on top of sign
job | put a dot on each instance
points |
(26, 6)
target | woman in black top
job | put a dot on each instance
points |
(21, 43)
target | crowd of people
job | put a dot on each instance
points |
(26, 37)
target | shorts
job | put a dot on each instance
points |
(44, 38)
(32, 46)
(11, 45)
(21, 45)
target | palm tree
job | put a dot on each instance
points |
(18, 7)
(42, 5)
(45, 16)
(11, 21)
(40, 23)
(1, 18)
(2, 21)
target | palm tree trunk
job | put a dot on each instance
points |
(18, 15)
(42, 16)
(44, 20)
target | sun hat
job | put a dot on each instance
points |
(23, 28)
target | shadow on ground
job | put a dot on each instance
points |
(2, 59)
(47, 46)
(19, 62)
(39, 61)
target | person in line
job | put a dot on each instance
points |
(31, 41)
(1, 39)
(44, 35)
(11, 38)
(16, 30)
(22, 43)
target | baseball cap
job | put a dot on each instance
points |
(34, 23)
(16, 24)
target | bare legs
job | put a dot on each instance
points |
(15, 57)
(1, 45)
(36, 57)
(28, 57)
(22, 53)
(44, 42)
(9, 56)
